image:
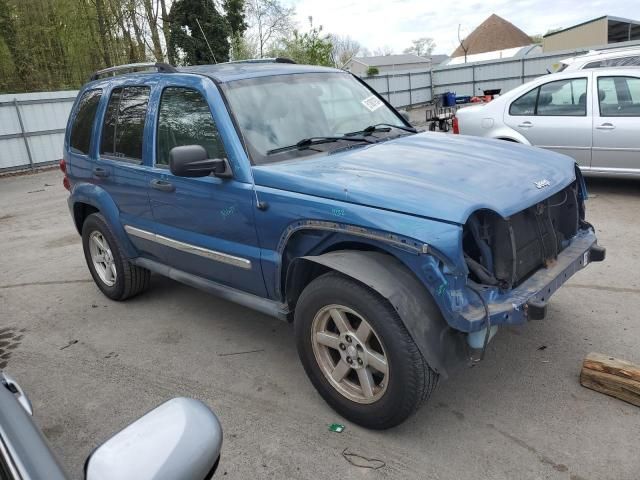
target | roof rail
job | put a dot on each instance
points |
(159, 66)
(264, 60)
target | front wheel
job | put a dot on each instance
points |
(358, 353)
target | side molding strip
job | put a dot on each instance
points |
(188, 248)
(263, 305)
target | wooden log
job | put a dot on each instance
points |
(611, 376)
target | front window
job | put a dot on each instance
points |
(281, 110)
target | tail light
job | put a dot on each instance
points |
(65, 181)
(456, 127)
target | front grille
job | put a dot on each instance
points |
(506, 251)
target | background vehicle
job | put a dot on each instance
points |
(297, 191)
(615, 57)
(180, 439)
(590, 115)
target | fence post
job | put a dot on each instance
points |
(473, 80)
(22, 131)
(388, 89)
(410, 97)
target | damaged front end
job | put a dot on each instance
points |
(516, 263)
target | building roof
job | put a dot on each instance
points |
(495, 33)
(388, 60)
(609, 17)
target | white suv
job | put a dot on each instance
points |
(617, 57)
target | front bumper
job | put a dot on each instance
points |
(529, 300)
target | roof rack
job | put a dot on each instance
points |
(264, 60)
(159, 66)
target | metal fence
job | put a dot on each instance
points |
(411, 89)
(32, 128)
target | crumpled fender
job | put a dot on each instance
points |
(98, 197)
(442, 347)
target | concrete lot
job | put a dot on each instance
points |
(520, 414)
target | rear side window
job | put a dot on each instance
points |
(526, 104)
(185, 119)
(565, 98)
(80, 139)
(123, 126)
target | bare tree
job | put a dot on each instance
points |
(344, 49)
(383, 51)
(152, 19)
(423, 47)
(465, 48)
(268, 21)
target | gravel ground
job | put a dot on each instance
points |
(520, 414)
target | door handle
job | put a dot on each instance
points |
(606, 126)
(163, 185)
(100, 172)
(526, 125)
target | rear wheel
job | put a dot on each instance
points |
(358, 353)
(116, 277)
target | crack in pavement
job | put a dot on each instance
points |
(53, 282)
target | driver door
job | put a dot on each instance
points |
(204, 225)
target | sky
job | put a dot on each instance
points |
(376, 23)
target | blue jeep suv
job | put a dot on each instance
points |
(300, 192)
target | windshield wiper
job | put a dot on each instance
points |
(308, 142)
(382, 127)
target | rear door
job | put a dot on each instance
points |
(556, 115)
(122, 165)
(616, 122)
(205, 226)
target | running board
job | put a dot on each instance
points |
(262, 305)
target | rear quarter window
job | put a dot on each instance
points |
(123, 128)
(82, 126)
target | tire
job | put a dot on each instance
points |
(409, 381)
(130, 280)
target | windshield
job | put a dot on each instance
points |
(278, 111)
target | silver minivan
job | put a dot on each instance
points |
(590, 115)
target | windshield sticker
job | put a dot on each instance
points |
(372, 103)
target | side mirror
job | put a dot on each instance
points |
(180, 439)
(193, 161)
(405, 115)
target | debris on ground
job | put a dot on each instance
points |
(336, 427)
(542, 347)
(362, 462)
(72, 342)
(611, 376)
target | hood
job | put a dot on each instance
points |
(445, 177)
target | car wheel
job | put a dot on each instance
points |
(358, 353)
(118, 278)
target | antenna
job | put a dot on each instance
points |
(259, 204)
(205, 39)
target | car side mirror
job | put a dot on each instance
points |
(404, 115)
(194, 161)
(180, 439)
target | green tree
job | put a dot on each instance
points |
(371, 71)
(234, 10)
(199, 33)
(312, 47)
